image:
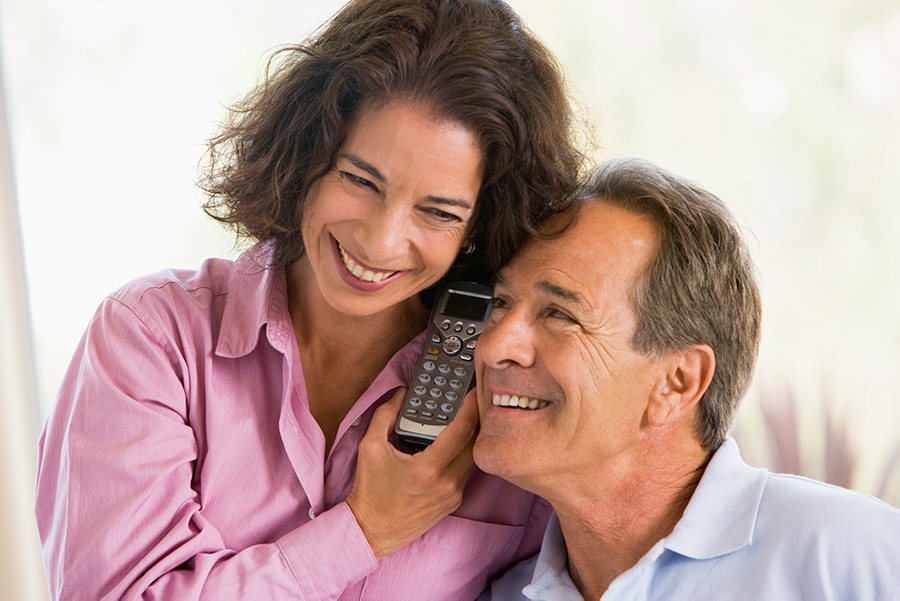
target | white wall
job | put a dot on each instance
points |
(21, 573)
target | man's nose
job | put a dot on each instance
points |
(507, 341)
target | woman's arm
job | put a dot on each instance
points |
(119, 505)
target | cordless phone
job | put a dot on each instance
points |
(445, 372)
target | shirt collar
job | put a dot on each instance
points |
(257, 294)
(551, 578)
(721, 515)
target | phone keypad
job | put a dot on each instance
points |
(437, 394)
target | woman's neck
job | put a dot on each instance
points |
(342, 354)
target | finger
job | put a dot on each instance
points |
(384, 416)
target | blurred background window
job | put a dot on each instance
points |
(788, 110)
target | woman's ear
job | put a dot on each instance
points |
(682, 382)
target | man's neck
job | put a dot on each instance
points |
(608, 530)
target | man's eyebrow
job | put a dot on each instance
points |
(549, 288)
(560, 292)
(375, 173)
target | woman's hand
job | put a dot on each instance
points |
(397, 497)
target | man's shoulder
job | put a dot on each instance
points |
(803, 496)
(806, 507)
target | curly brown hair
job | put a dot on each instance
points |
(472, 62)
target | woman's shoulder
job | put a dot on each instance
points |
(175, 287)
(192, 288)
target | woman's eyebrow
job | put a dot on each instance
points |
(364, 165)
(375, 173)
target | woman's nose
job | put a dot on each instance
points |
(386, 235)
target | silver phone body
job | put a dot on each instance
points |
(445, 371)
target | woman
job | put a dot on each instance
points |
(223, 433)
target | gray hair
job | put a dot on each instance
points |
(700, 288)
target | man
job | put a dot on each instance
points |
(608, 380)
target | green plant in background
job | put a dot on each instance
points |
(815, 440)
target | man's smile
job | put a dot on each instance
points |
(519, 401)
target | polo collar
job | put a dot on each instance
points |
(721, 516)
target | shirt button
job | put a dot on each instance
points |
(312, 514)
(357, 421)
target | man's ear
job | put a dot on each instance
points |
(685, 377)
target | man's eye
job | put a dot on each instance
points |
(562, 315)
(499, 303)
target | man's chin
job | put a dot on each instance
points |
(492, 454)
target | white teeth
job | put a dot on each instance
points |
(366, 275)
(522, 402)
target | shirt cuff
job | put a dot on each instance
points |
(328, 554)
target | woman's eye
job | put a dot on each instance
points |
(443, 215)
(357, 180)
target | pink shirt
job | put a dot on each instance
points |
(181, 462)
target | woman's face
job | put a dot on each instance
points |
(388, 220)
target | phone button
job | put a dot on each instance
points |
(460, 371)
(445, 325)
(451, 396)
(440, 381)
(447, 408)
(424, 378)
(471, 330)
(436, 393)
(419, 389)
(458, 326)
(428, 366)
(444, 368)
(456, 384)
(415, 402)
(430, 405)
(452, 345)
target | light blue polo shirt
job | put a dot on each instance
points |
(745, 534)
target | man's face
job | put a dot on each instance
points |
(560, 340)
